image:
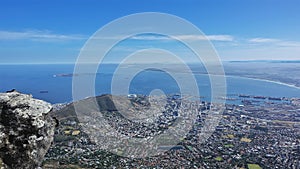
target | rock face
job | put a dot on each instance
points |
(26, 130)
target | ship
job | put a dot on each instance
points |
(275, 98)
(244, 96)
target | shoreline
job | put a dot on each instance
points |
(265, 80)
(251, 78)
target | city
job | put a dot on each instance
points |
(263, 138)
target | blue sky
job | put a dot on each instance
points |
(34, 31)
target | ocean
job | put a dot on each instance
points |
(53, 83)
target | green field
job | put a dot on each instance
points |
(218, 158)
(254, 166)
(228, 145)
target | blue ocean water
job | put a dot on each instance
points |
(41, 82)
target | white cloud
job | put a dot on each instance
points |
(37, 35)
(275, 42)
(149, 37)
(263, 40)
(220, 37)
(187, 37)
(49, 36)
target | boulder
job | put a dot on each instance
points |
(26, 130)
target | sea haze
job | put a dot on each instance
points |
(53, 82)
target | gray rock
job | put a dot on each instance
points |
(26, 130)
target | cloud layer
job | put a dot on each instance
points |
(37, 35)
(228, 46)
(277, 42)
(186, 37)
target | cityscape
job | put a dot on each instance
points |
(247, 136)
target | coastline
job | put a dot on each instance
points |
(252, 78)
(265, 80)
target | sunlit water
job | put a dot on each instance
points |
(40, 81)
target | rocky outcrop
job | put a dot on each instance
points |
(26, 130)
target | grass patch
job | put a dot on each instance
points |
(254, 166)
(228, 145)
(218, 158)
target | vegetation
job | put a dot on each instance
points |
(218, 158)
(104, 103)
(254, 166)
(228, 145)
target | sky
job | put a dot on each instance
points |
(55, 31)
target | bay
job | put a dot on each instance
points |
(53, 82)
